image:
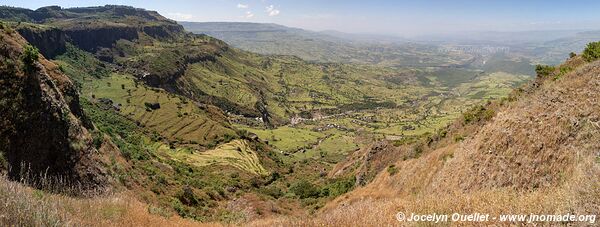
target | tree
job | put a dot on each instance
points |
(30, 57)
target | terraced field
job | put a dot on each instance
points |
(236, 153)
(177, 119)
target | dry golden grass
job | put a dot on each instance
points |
(23, 206)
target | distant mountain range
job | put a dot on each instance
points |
(548, 47)
(326, 46)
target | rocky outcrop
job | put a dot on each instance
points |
(50, 41)
(42, 126)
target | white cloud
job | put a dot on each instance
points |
(242, 6)
(272, 11)
(249, 15)
(180, 16)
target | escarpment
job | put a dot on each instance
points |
(91, 39)
(90, 28)
(50, 41)
(42, 127)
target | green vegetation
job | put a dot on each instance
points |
(288, 139)
(544, 70)
(304, 189)
(391, 169)
(562, 70)
(124, 133)
(592, 51)
(30, 57)
(478, 113)
(81, 65)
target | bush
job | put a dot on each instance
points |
(338, 187)
(392, 170)
(543, 70)
(572, 55)
(304, 189)
(592, 51)
(272, 191)
(477, 114)
(98, 139)
(29, 57)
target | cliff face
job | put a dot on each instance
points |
(50, 41)
(89, 28)
(91, 39)
(42, 126)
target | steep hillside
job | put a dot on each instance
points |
(540, 145)
(43, 128)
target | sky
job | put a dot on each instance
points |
(392, 17)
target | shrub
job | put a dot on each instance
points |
(304, 189)
(338, 187)
(458, 138)
(478, 113)
(272, 191)
(543, 70)
(29, 57)
(98, 139)
(592, 51)
(572, 55)
(392, 170)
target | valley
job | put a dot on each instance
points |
(218, 123)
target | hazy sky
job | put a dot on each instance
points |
(361, 16)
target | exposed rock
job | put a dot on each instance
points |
(50, 41)
(91, 39)
(42, 132)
